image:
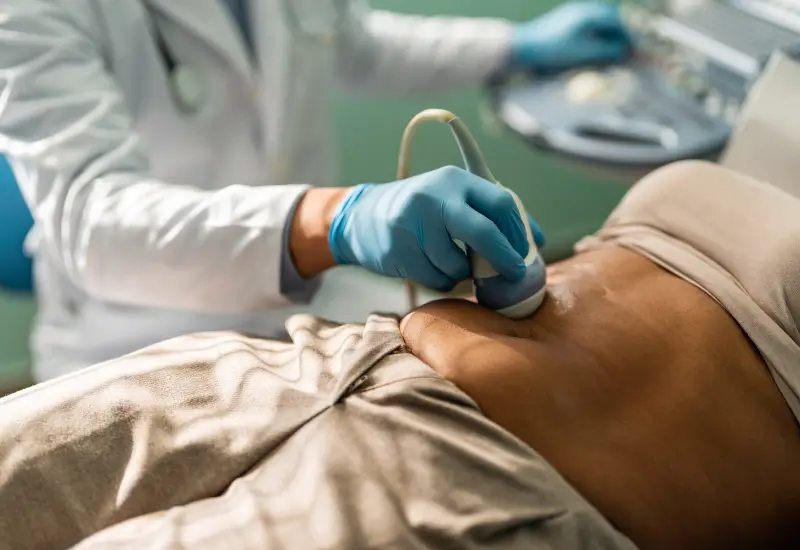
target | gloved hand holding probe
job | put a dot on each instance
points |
(407, 228)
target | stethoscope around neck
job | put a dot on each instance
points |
(185, 83)
(307, 20)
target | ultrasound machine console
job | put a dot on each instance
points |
(677, 98)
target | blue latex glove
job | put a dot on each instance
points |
(406, 228)
(572, 35)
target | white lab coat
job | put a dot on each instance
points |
(152, 222)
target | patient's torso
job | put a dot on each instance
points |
(642, 391)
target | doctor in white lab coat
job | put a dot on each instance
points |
(174, 155)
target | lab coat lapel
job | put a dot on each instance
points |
(273, 42)
(296, 87)
(209, 21)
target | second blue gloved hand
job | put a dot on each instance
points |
(572, 35)
(406, 228)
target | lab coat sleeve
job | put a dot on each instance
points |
(402, 54)
(118, 232)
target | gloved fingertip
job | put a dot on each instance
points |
(448, 287)
(519, 273)
(427, 275)
(464, 272)
(513, 273)
(441, 284)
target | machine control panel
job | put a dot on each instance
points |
(677, 99)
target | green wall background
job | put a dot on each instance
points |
(16, 316)
(567, 203)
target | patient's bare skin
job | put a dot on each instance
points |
(643, 392)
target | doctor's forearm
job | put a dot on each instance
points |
(402, 54)
(147, 243)
(308, 237)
